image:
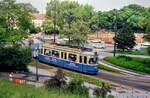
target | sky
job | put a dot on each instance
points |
(99, 5)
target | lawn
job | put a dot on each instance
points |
(144, 52)
(85, 78)
(108, 69)
(12, 90)
(136, 64)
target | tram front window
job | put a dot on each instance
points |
(72, 57)
(46, 51)
(92, 61)
(55, 53)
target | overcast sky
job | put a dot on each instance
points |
(103, 5)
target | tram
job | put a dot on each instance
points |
(69, 58)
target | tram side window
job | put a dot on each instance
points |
(47, 52)
(80, 60)
(92, 61)
(50, 53)
(62, 55)
(65, 56)
(85, 59)
(55, 53)
(41, 50)
(72, 57)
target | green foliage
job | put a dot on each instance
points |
(71, 19)
(77, 87)
(105, 68)
(138, 52)
(14, 58)
(148, 50)
(58, 81)
(12, 90)
(136, 16)
(84, 78)
(48, 26)
(14, 17)
(103, 91)
(125, 38)
(135, 64)
(34, 29)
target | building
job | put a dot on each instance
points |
(107, 36)
(38, 19)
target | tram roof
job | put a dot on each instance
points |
(68, 49)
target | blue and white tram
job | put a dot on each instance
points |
(70, 58)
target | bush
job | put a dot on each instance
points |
(103, 91)
(58, 81)
(14, 58)
(148, 50)
(77, 87)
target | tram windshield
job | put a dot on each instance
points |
(92, 61)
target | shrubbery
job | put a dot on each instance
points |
(77, 87)
(14, 58)
(57, 81)
(148, 50)
(103, 91)
(136, 64)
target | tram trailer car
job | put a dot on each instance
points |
(69, 58)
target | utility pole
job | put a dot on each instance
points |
(37, 77)
(54, 21)
(69, 24)
(115, 31)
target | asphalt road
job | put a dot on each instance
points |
(131, 81)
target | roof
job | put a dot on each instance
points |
(38, 17)
(68, 49)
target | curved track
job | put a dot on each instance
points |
(131, 81)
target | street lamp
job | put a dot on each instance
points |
(35, 48)
(69, 20)
(115, 31)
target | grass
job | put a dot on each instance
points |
(85, 78)
(144, 52)
(135, 64)
(105, 68)
(11, 90)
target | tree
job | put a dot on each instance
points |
(67, 16)
(14, 58)
(53, 13)
(78, 33)
(14, 18)
(47, 26)
(125, 38)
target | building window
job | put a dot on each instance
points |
(72, 57)
(85, 59)
(55, 53)
(80, 60)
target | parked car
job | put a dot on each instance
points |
(98, 44)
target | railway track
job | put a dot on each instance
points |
(126, 80)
